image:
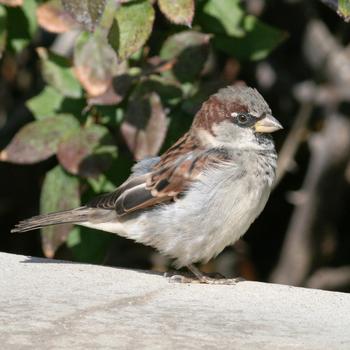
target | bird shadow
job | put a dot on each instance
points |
(187, 277)
(35, 260)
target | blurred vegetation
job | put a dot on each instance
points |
(88, 87)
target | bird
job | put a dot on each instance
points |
(201, 195)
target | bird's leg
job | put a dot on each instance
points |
(200, 278)
(197, 273)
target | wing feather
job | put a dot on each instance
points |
(164, 180)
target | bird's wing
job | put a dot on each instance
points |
(166, 179)
(144, 166)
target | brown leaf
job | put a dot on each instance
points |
(95, 64)
(60, 191)
(53, 18)
(108, 98)
(156, 65)
(179, 11)
(117, 90)
(87, 152)
(145, 126)
(12, 2)
(38, 140)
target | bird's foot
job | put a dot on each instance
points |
(200, 278)
(176, 278)
(222, 281)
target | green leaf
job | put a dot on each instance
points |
(169, 90)
(101, 184)
(341, 7)
(120, 170)
(86, 12)
(88, 245)
(58, 72)
(107, 17)
(87, 152)
(344, 9)
(190, 50)
(95, 63)
(21, 25)
(74, 106)
(179, 12)
(223, 16)
(236, 33)
(3, 32)
(260, 39)
(38, 140)
(60, 191)
(179, 124)
(131, 28)
(46, 103)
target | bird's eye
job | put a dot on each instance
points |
(242, 118)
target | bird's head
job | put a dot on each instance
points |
(236, 116)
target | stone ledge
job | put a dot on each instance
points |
(54, 304)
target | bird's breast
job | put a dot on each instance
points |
(214, 212)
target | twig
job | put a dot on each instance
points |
(291, 144)
(321, 200)
(331, 279)
(320, 196)
(323, 52)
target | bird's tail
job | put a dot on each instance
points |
(61, 217)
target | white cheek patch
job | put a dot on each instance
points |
(207, 138)
(234, 114)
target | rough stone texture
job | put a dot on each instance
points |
(61, 305)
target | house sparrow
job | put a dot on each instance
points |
(202, 194)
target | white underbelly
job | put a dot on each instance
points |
(201, 225)
(213, 215)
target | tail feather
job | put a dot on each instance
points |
(62, 217)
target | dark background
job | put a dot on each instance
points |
(302, 237)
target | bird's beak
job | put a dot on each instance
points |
(267, 124)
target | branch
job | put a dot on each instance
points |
(319, 204)
(331, 279)
(291, 144)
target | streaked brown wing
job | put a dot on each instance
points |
(169, 178)
(174, 178)
(108, 200)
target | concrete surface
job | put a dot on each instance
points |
(50, 304)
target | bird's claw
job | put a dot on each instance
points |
(204, 279)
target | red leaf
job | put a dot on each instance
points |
(53, 18)
(116, 91)
(95, 64)
(12, 3)
(60, 192)
(38, 140)
(145, 126)
(87, 152)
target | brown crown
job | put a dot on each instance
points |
(214, 111)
